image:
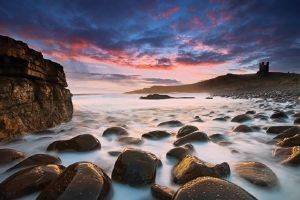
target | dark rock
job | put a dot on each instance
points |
(277, 129)
(290, 142)
(218, 137)
(241, 118)
(197, 119)
(180, 152)
(33, 90)
(192, 137)
(118, 131)
(297, 121)
(28, 181)
(288, 133)
(84, 142)
(221, 119)
(162, 192)
(156, 135)
(190, 167)
(250, 112)
(261, 116)
(296, 115)
(156, 96)
(135, 167)
(37, 159)
(293, 159)
(257, 173)
(9, 155)
(114, 153)
(209, 188)
(130, 140)
(187, 129)
(80, 181)
(279, 115)
(243, 129)
(171, 123)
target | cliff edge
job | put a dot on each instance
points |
(33, 93)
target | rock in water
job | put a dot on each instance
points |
(191, 167)
(161, 192)
(171, 123)
(208, 188)
(257, 173)
(156, 135)
(80, 181)
(135, 167)
(277, 129)
(192, 137)
(130, 140)
(33, 90)
(297, 121)
(84, 142)
(242, 129)
(9, 155)
(290, 142)
(241, 118)
(28, 181)
(289, 156)
(180, 152)
(279, 115)
(186, 130)
(116, 130)
(156, 96)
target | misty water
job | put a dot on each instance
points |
(94, 113)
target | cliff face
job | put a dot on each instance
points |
(33, 94)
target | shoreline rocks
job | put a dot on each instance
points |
(156, 135)
(192, 137)
(10, 155)
(187, 129)
(162, 192)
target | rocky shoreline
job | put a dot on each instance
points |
(33, 93)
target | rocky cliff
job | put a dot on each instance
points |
(33, 94)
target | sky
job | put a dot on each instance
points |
(116, 45)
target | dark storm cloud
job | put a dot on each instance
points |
(150, 33)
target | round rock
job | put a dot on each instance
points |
(156, 135)
(161, 192)
(186, 130)
(9, 155)
(192, 137)
(117, 131)
(243, 129)
(171, 123)
(241, 118)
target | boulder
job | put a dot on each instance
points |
(197, 119)
(218, 137)
(130, 140)
(297, 121)
(296, 115)
(187, 129)
(288, 156)
(241, 118)
(80, 181)
(221, 119)
(191, 167)
(277, 129)
(209, 188)
(118, 131)
(156, 96)
(243, 129)
(85, 142)
(257, 174)
(180, 152)
(156, 135)
(279, 115)
(114, 153)
(28, 181)
(290, 142)
(171, 123)
(135, 167)
(261, 116)
(9, 155)
(37, 159)
(250, 112)
(162, 192)
(288, 133)
(192, 137)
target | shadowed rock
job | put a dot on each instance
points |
(287, 133)
(297, 121)
(243, 129)
(257, 174)
(80, 181)
(162, 192)
(84, 142)
(218, 137)
(241, 118)
(277, 129)
(180, 152)
(156, 96)
(171, 123)
(192, 137)
(208, 188)
(156, 135)
(9, 155)
(289, 156)
(118, 131)
(187, 129)
(28, 181)
(250, 112)
(290, 142)
(114, 153)
(135, 167)
(130, 140)
(279, 115)
(191, 167)
(37, 159)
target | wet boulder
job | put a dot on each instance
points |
(290, 142)
(288, 156)
(221, 119)
(187, 129)
(156, 135)
(250, 112)
(171, 123)
(162, 192)
(279, 115)
(243, 129)
(192, 137)
(209, 188)
(296, 115)
(191, 167)
(288, 133)
(116, 131)
(180, 152)
(130, 140)
(37, 159)
(114, 153)
(197, 119)
(85, 142)
(9, 155)
(80, 181)
(28, 181)
(277, 129)
(135, 167)
(241, 118)
(257, 174)
(297, 121)
(218, 137)
(261, 116)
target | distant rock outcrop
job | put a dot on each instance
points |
(33, 94)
